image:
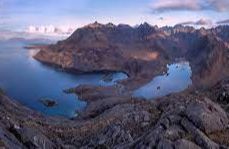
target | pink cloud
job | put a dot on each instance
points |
(201, 22)
(223, 22)
(190, 5)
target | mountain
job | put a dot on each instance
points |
(136, 50)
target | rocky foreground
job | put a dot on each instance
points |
(191, 119)
(196, 118)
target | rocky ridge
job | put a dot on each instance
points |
(135, 50)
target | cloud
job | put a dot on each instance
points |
(201, 22)
(50, 30)
(163, 5)
(190, 5)
(186, 23)
(223, 22)
(219, 5)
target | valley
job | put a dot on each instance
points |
(128, 112)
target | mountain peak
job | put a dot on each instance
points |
(145, 25)
(110, 25)
(95, 25)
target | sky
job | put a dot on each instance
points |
(19, 14)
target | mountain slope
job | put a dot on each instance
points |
(141, 52)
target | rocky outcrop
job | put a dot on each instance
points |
(180, 122)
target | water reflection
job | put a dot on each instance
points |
(177, 78)
(28, 81)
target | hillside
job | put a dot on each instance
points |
(136, 50)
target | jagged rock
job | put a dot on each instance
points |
(174, 125)
(31, 137)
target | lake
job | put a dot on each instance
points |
(28, 81)
(177, 79)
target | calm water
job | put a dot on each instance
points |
(28, 81)
(177, 79)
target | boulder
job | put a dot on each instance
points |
(207, 115)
